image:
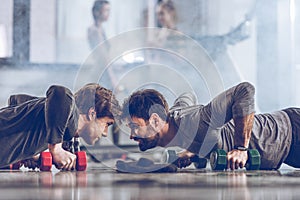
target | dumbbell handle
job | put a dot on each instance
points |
(198, 162)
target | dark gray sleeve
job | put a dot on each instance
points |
(58, 110)
(184, 100)
(235, 102)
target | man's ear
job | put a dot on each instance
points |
(156, 122)
(92, 114)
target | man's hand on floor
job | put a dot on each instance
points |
(236, 159)
(62, 159)
(32, 163)
(184, 159)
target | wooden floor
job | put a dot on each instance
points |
(100, 182)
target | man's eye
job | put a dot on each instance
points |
(109, 123)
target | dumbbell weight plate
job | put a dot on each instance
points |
(81, 161)
(171, 156)
(254, 161)
(218, 160)
(45, 161)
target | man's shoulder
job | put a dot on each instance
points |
(184, 100)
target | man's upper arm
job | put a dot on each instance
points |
(59, 106)
(235, 102)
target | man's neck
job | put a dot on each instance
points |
(81, 122)
(167, 134)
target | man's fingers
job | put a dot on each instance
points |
(235, 160)
(228, 157)
(30, 163)
(70, 164)
(232, 164)
(237, 164)
(242, 164)
(74, 165)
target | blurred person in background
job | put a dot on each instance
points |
(96, 33)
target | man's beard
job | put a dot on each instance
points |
(147, 143)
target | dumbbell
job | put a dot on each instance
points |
(218, 160)
(45, 161)
(172, 157)
(81, 160)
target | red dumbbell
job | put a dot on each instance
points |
(81, 161)
(45, 161)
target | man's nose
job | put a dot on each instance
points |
(105, 132)
(133, 134)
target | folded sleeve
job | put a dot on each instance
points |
(59, 105)
(235, 102)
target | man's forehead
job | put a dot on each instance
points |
(136, 121)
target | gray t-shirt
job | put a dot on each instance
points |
(201, 129)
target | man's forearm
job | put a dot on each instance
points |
(243, 129)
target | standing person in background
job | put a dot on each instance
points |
(166, 19)
(96, 33)
(166, 14)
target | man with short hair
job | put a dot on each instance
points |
(30, 125)
(227, 122)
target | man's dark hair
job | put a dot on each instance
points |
(95, 96)
(98, 4)
(144, 103)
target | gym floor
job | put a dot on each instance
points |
(100, 182)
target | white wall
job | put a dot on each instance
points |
(6, 19)
(43, 31)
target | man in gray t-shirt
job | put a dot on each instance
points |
(227, 122)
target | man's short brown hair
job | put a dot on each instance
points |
(95, 96)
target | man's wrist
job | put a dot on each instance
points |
(54, 147)
(240, 148)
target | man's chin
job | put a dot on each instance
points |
(143, 148)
